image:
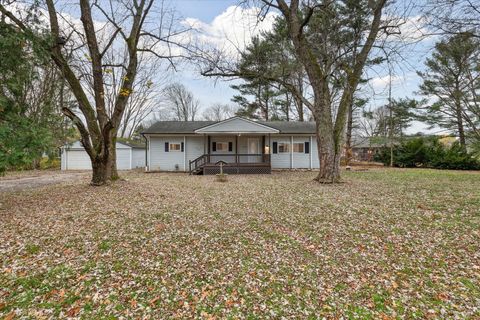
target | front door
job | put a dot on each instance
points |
(254, 148)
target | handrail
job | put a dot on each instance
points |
(195, 162)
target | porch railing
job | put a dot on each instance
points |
(230, 159)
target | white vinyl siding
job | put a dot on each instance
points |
(194, 147)
(237, 125)
(225, 140)
(165, 161)
(280, 160)
(301, 160)
(315, 161)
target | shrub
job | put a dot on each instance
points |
(430, 153)
(49, 163)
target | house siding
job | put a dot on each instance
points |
(280, 160)
(194, 147)
(236, 125)
(165, 161)
(301, 160)
(315, 160)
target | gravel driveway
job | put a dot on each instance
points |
(26, 180)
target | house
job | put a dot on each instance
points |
(129, 156)
(365, 148)
(245, 146)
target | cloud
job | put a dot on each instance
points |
(381, 82)
(232, 30)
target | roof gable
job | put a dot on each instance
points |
(237, 125)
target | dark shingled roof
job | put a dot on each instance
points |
(189, 127)
(177, 126)
(291, 126)
(134, 144)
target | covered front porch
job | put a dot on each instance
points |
(246, 150)
(237, 154)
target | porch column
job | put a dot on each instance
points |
(311, 165)
(184, 153)
(263, 148)
(208, 148)
(236, 148)
(291, 152)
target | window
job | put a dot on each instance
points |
(283, 147)
(175, 147)
(298, 147)
(222, 146)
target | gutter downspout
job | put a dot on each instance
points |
(146, 152)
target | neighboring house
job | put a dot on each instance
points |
(129, 156)
(244, 146)
(365, 148)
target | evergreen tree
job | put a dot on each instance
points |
(453, 79)
(24, 123)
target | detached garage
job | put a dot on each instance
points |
(129, 156)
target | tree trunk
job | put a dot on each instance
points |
(348, 140)
(104, 166)
(112, 163)
(329, 153)
(329, 161)
(100, 170)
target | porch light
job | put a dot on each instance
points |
(267, 149)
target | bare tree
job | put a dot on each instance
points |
(181, 103)
(218, 112)
(453, 16)
(146, 98)
(127, 31)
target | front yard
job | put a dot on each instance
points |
(386, 244)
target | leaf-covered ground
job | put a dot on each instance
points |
(386, 244)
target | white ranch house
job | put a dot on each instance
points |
(242, 145)
(129, 156)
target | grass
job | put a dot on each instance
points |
(387, 244)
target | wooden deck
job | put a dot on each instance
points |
(232, 164)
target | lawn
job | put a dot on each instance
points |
(385, 244)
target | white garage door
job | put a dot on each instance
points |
(78, 160)
(123, 159)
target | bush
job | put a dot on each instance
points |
(49, 163)
(429, 153)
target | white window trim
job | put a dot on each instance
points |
(283, 143)
(303, 147)
(175, 143)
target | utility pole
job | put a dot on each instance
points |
(390, 133)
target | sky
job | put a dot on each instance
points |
(220, 19)
(228, 25)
